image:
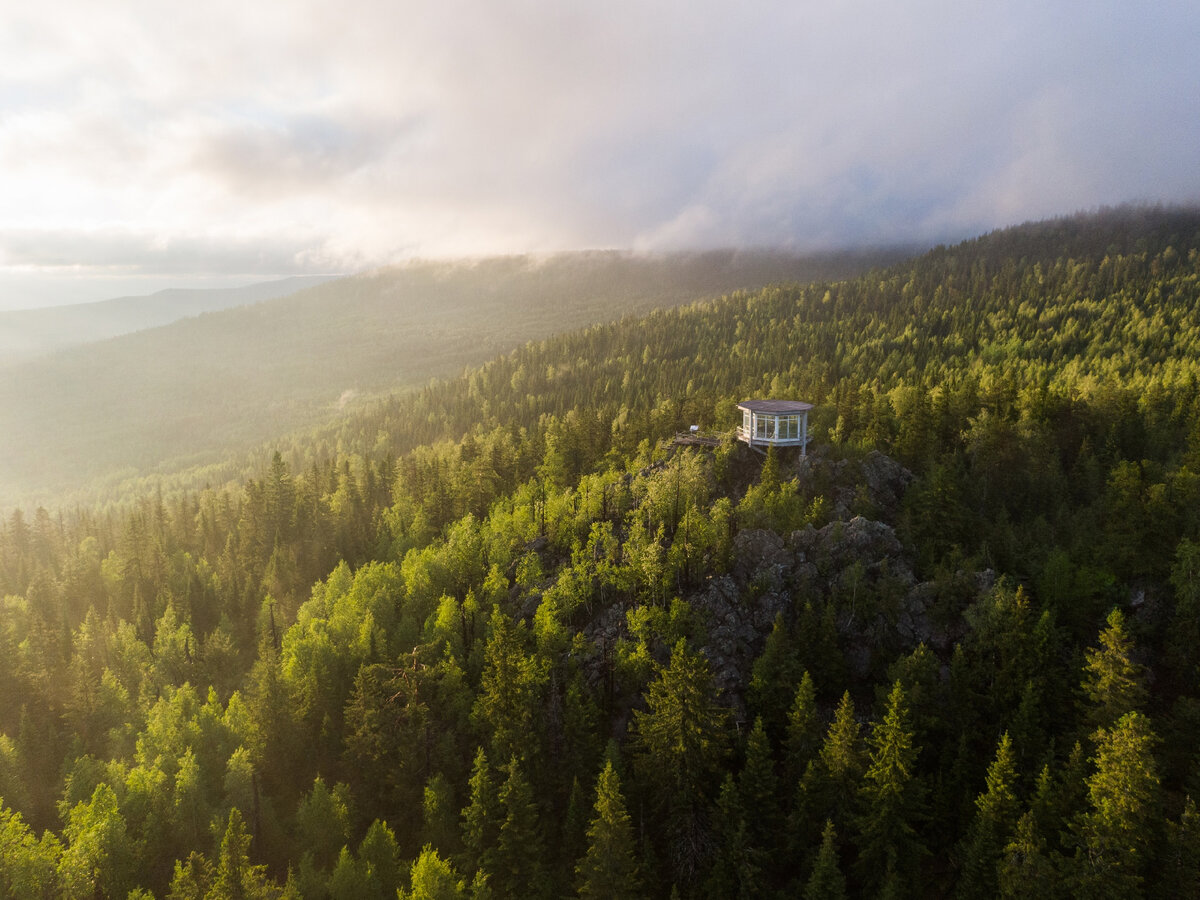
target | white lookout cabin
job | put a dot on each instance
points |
(774, 423)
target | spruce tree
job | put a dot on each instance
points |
(681, 740)
(520, 851)
(1183, 639)
(734, 870)
(433, 878)
(772, 677)
(440, 826)
(1027, 867)
(758, 788)
(379, 857)
(510, 689)
(826, 881)
(890, 798)
(803, 730)
(480, 818)
(235, 877)
(1112, 681)
(841, 753)
(995, 817)
(1115, 836)
(609, 868)
(830, 783)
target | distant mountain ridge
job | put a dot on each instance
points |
(28, 333)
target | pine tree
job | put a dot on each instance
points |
(772, 677)
(481, 818)
(735, 869)
(236, 878)
(841, 753)
(995, 817)
(1183, 640)
(348, 880)
(1115, 834)
(379, 857)
(609, 869)
(803, 730)
(438, 813)
(1112, 682)
(509, 689)
(680, 740)
(826, 881)
(890, 798)
(830, 784)
(758, 788)
(433, 878)
(520, 852)
(1027, 868)
(27, 865)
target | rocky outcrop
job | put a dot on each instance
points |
(874, 485)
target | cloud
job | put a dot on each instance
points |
(367, 131)
(115, 251)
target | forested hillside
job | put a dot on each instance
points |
(80, 422)
(501, 637)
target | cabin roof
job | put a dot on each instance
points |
(775, 406)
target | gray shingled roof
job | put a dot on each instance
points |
(775, 406)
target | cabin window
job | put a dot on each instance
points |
(765, 427)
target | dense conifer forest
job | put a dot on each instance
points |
(504, 637)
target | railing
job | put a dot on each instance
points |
(744, 435)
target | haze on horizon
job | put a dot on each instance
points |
(147, 145)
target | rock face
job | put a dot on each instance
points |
(876, 484)
(857, 566)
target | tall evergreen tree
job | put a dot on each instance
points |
(772, 676)
(519, 868)
(736, 867)
(433, 878)
(995, 817)
(379, 857)
(1116, 835)
(509, 690)
(609, 869)
(758, 788)
(481, 818)
(1027, 868)
(890, 799)
(803, 738)
(831, 784)
(826, 881)
(236, 878)
(1113, 683)
(680, 740)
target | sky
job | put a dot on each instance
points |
(149, 144)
